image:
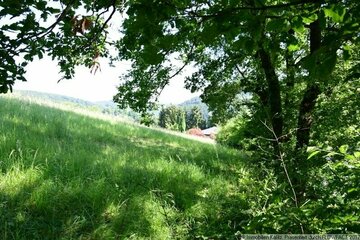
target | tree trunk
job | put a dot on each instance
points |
(307, 106)
(305, 115)
(311, 94)
(274, 96)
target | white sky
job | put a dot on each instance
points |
(43, 75)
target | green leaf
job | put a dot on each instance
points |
(209, 33)
(41, 5)
(328, 64)
(311, 149)
(309, 63)
(293, 47)
(352, 190)
(330, 154)
(297, 25)
(245, 43)
(350, 157)
(53, 10)
(343, 149)
(278, 25)
(313, 154)
(309, 19)
(346, 55)
(336, 13)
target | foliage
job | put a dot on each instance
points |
(195, 119)
(30, 29)
(248, 132)
(147, 119)
(337, 115)
(233, 133)
(334, 189)
(196, 102)
(173, 118)
(293, 64)
(273, 60)
(325, 180)
(179, 119)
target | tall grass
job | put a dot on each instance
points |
(69, 176)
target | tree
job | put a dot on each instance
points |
(147, 119)
(194, 118)
(173, 118)
(260, 47)
(162, 116)
(182, 120)
(281, 53)
(245, 44)
(70, 38)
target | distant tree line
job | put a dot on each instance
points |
(181, 119)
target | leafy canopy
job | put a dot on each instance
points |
(291, 62)
(281, 53)
(220, 36)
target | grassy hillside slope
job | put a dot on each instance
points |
(69, 176)
(106, 107)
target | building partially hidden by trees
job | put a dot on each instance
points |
(298, 60)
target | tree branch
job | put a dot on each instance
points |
(111, 15)
(177, 72)
(260, 8)
(281, 158)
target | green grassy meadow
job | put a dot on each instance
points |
(68, 176)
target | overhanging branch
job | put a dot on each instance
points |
(260, 8)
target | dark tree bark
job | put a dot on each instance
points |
(311, 94)
(263, 95)
(274, 96)
(305, 115)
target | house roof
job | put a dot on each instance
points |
(209, 131)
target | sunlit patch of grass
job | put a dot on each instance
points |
(69, 176)
(17, 180)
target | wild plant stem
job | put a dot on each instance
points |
(281, 158)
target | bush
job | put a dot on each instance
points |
(232, 133)
(241, 132)
(334, 189)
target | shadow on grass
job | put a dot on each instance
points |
(50, 208)
(91, 182)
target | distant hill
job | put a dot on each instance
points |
(54, 97)
(192, 101)
(106, 103)
(106, 107)
(196, 101)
